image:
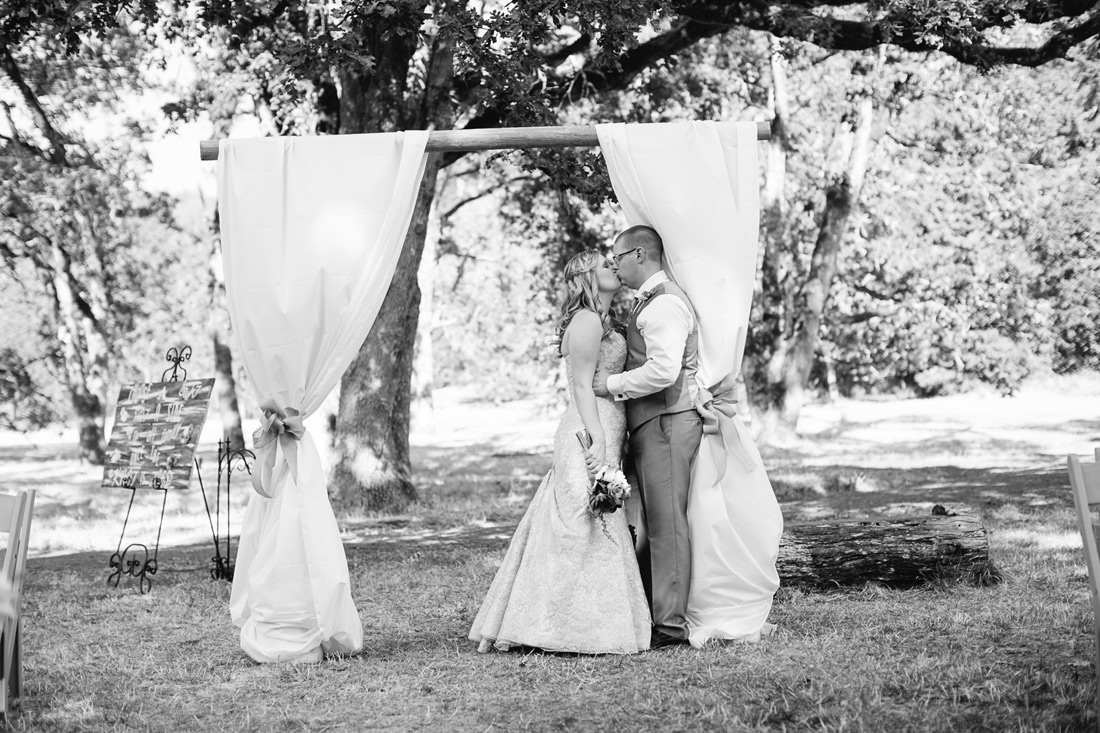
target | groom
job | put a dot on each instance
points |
(665, 430)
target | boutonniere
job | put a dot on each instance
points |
(641, 298)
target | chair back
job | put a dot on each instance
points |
(12, 513)
(1084, 478)
(15, 520)
(23, 535)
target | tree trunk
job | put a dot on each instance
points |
(372, 470)
(225, 388)
(423, 376)
(84, 355)
(830, 376)
(793, 358)
(225, 383)
(898, 552)
(771, 308)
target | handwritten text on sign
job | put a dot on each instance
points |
(156, 428)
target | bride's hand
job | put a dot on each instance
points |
(595, 456)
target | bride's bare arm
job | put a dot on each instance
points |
(583, 338)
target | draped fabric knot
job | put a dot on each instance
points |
(718, 406)
(277, 428)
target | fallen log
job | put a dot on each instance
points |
(893, 551)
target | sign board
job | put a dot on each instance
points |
(156, 428)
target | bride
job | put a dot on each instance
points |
(569, 581)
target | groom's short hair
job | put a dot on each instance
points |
(647, 238)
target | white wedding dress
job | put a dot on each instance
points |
(569, 581)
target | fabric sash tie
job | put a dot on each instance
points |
(278, 428)
(719, 406)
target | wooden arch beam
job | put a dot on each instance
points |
(501, 138)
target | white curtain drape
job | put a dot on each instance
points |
(696, 184)
(311, 230)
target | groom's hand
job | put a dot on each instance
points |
(599, 384)
(706, 413)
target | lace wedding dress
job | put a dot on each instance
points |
(565, 584)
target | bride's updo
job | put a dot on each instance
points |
(581, 292)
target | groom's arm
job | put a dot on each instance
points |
(665, 326)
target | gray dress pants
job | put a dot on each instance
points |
(662, 450)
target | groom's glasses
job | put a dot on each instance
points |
(623, 254)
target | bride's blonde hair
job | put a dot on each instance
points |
(581, 292)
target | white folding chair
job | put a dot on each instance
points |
(1084, 478)
(15, 519)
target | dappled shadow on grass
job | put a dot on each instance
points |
(911, 441)
(1089, 428)
(496, 506)
(73, 512)
(936, 658)
(413, 538)
(40, 453)
(446, 470)
(1017, 656)
(472, 487)
(69, 451)
(175, 565)
(843, 426)
(847, 487)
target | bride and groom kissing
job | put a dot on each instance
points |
(574, 582)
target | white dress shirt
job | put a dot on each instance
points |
(665, 325)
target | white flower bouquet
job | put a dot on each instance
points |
(609, 489)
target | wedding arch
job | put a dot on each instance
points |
(311, 229)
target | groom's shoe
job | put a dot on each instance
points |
(659, 640)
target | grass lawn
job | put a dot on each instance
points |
(1013, 657)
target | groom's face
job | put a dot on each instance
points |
(624, 259)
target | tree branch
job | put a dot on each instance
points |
(1044, 11)
(797, 20)
(628, 65)
(578, 46)
(244, 26)
(850, 318)
(874, 293)
(57, 140)
(29, 253)
(480, 194)
(899, 141)
(1056, 47)
(633, 61)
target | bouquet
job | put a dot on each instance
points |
(609, 489)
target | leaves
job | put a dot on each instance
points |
(976, 224)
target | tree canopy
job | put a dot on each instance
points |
(967, 252)
(82, 241)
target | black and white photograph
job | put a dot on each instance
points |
(400, 365)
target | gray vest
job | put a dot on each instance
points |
(680, 395)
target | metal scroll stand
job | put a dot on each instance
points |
(229, 460)
(145, 568)
(140, 569)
